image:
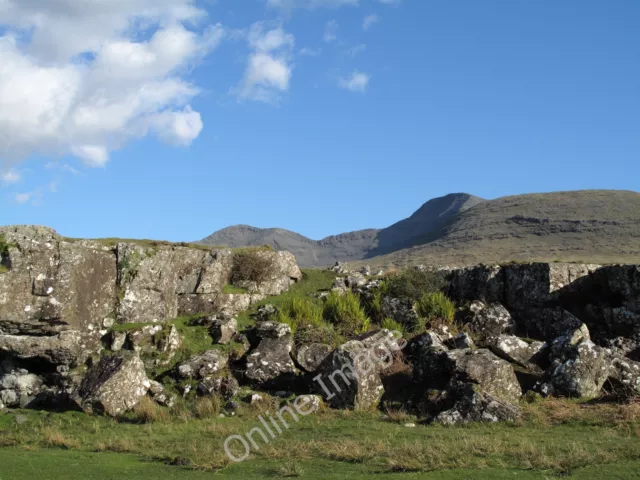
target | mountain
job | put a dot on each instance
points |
(588, 225)
(425, 223)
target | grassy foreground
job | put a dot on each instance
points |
(557, 438)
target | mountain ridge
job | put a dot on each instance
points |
(459, 228)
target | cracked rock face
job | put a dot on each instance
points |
(349, 377)
(114, 385)
(270, 363)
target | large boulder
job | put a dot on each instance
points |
(349, 378)
(114, 385)
(580, 368)
(270, 363)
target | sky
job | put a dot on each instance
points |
(171, 119)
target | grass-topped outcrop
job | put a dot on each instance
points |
(482, 344)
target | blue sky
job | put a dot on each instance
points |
(306, 116)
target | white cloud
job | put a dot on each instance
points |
(356, 82)
(390, 2)
(269, 67)
(369, 21)
(10, 176)
(330, 31)
(309, 52)
(354, 51)
(22, 198)
(83, 78)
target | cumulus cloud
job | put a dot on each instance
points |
(269, 67)
(356, 82)
(330, 31)
(369, 21)
(83, 78)
(10, 176)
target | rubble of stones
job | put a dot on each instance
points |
(563, 330)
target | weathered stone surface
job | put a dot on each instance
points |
(203, 365)
(66, 348)
(580, 368)
(223, 328)
(491, 320)
(481, 282)
(270, 363)
(474, 406)
(114, 385)
(160, 395)
(310, 356)
(516, 350)
(400, 310)
(224, 386)
(55, 286)
(486, 371)
(460, 341)
(348, 378)
(547, 323)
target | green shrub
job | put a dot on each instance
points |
(251, 265)
(436, 307)
(345, 312)
(413, 284)
(391, 324)
(324, 333)
(374, 305)
(300, 311)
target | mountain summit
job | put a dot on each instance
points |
(589, 225)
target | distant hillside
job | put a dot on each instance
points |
(427, 222)
(589, 225)
(599, 226)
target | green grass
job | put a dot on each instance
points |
(313, 281)
(3, 269)
(557, 438)
(113, 241)
(64, 465)
(234, 290)
(345, 312)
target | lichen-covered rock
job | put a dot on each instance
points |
(159, 395)
(485, 371)
(202, 365)
(425, 351)
(400, 310)
(270, 363)
(224, 386)
(223, 328)
(516, 350)
(114, 385)
(491, 320)
(460, 341)
(482, 282)
(310, 356)
(547, 323)
(476, 407)
(580, 368)
(65, 348)
(349, 378)
(54, 286)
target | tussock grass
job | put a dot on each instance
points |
(345, 312)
